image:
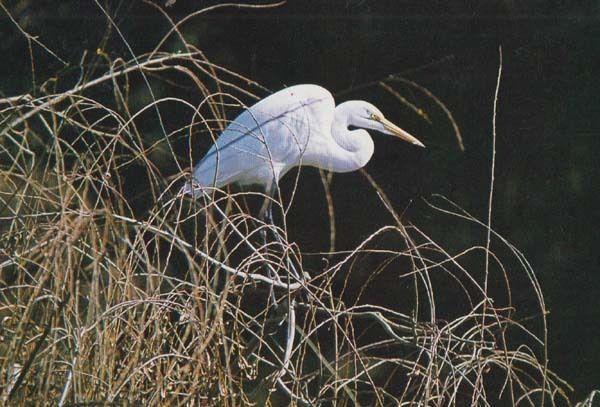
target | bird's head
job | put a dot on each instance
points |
(364, 115)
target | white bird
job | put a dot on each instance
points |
(299, 125)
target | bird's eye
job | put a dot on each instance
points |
(374, 117)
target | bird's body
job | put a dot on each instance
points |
(299, 125)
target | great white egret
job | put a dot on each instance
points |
(299, 125)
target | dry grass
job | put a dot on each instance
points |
(115, 289)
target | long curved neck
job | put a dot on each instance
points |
(353, 148)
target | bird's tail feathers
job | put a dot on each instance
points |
(190, 188)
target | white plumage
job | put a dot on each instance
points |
(299, 125)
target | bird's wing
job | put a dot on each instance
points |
(267, 138)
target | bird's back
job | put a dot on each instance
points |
(269, 138)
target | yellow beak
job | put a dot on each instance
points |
(398, 132)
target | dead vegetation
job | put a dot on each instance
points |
(115, 289)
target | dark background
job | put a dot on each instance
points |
(546, 195)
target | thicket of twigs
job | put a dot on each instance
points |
(115, 288)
